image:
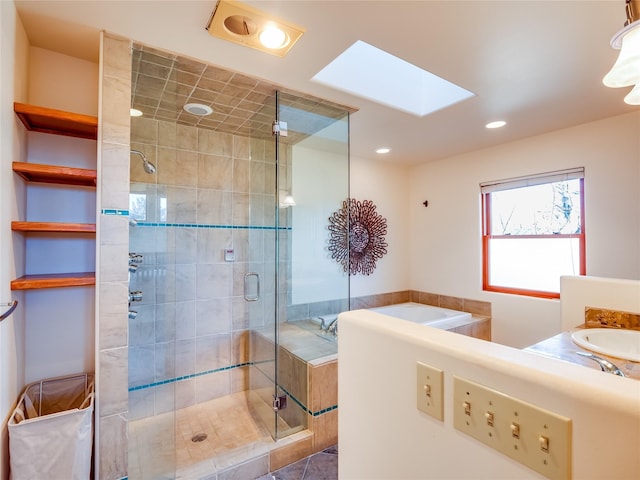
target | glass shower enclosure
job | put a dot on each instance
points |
(228, 237)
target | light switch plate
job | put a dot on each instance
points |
(535, 437)
(430, 390)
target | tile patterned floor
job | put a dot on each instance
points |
(160, 444)
(161, 447)
(320, 466)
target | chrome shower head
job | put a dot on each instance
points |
(146, 164)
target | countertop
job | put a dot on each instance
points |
(562, 347)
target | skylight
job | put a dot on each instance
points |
(369, 72)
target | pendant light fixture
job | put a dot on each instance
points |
(626, 71)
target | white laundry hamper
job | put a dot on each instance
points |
(51, 430)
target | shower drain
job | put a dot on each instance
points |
(199, 437)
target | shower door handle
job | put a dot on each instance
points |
(247, 296)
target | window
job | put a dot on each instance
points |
(533, 232)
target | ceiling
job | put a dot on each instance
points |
(536, 64)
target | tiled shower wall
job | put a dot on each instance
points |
(211, 191)
(111, 269)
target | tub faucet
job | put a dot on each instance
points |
(333, 327)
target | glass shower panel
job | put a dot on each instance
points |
(312, 182)
(314, 173)
(259, 275)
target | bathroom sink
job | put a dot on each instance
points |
(608, 341)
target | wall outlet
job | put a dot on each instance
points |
(430, 390)
(535, 437)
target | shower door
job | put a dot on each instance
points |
(307, 140)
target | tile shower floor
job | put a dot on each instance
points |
(231, 437)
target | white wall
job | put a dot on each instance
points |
(386, 185)
(63, 82)
(445, 238)
(59, 339)
(384, 436)
(14, 56)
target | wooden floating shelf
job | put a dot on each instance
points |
(35, 172)
(53, 227)
(55, 280)
(59, 122)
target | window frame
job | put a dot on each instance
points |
(486, 237)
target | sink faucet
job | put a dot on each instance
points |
(605, 365)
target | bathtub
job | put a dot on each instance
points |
(436, 317)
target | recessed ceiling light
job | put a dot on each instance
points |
(374, 74)
(134, 112)
(497, 124)
(383, 150)
(198, 109)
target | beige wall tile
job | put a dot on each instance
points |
(455, 303)
(117, 57)
(239, 379)
(292, 375)
(144, 130)
(215, 172)
(482, 330)
(477, 307)
(113, 263)
(114, 176)
(214, 207)
(116, 127)
(213, 281)
(113, 315)
(428, 298)
(401, 297)
(187, 137)
(241, 147)
(177, 167)
(215, 143)
(181, 204)
(113, 381)
(323, 386)
(241, 175)
(258, 172)
(168, 134)
(291, 453)
(114, 231)
(212, 386)
(240, 347)
(325, 430)
(240, 209)
(112, 447)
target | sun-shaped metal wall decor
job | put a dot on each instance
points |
(356, 238)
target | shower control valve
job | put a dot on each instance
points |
(135, 296)
(135, 258)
